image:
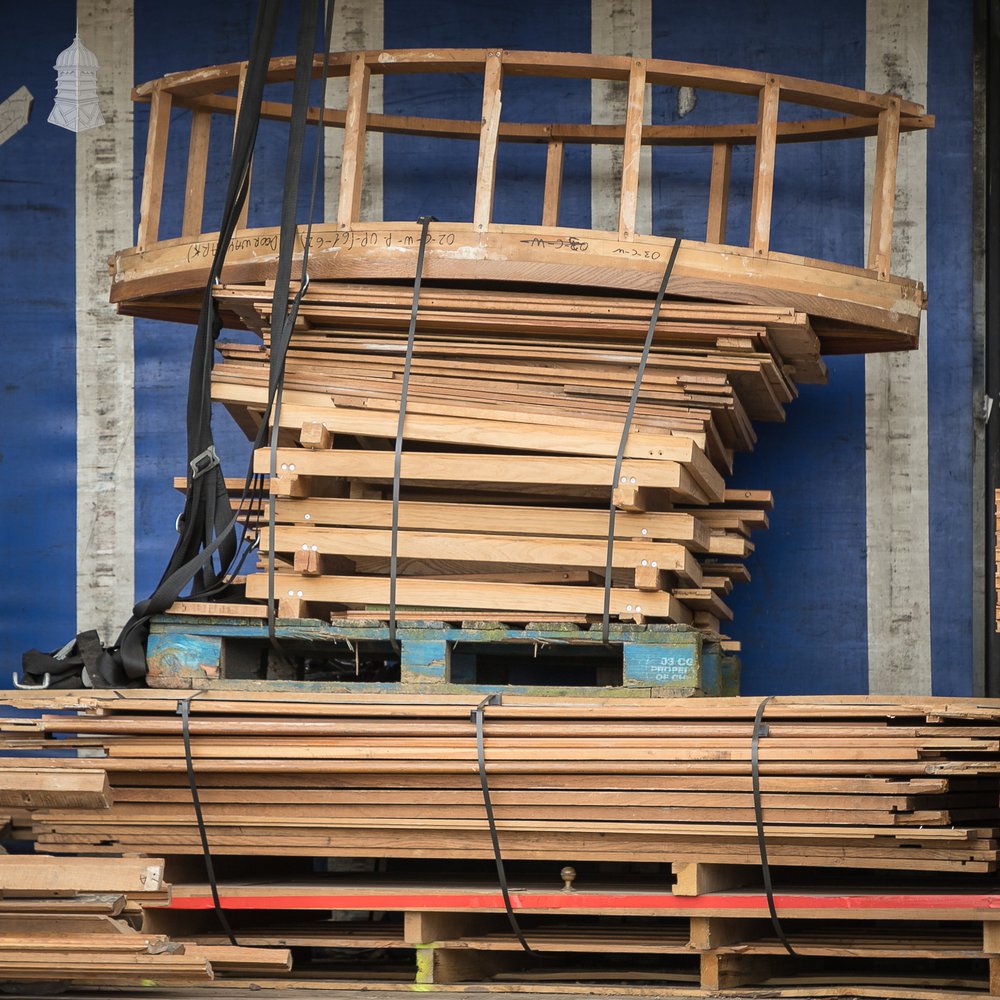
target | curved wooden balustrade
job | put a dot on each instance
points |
(852, 308)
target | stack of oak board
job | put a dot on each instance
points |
(71, 919)
(847, 782)
(516, 406)
(78, 920)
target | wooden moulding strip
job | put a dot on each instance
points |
(441, 594)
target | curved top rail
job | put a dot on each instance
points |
(661, 72)
(849, 113)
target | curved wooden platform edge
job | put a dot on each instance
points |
(851, 308)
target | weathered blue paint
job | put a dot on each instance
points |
(664, 658)
(186, 655)
(38, 382)
(424, 661)
(675, 662)
(950, 346)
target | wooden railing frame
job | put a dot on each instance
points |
(859, 112)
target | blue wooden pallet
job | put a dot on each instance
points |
(436, 657)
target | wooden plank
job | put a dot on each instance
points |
(763, 171)
(197, 168)
(352, 162)
(35, 788)
(554, 157)
(151, 198)
(482, 469)
(718, 194)
(629, 196)
(242, 220)
(486, 548)
(488, 138)
(884, 191)
(439, 593)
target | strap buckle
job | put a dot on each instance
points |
(496, 698)
(204, 462)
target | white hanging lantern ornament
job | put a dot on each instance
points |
(76, 106)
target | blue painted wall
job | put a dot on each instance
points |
(803, 619)
(37, 339)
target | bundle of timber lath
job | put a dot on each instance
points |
(515, 412)
(846, 782)
(80, 920)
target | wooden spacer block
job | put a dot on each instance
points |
(651, 578)
(991, 937)
(307, 562)
(726, 972)
(696, 878)
(718, 932)
(314, 434)
(631, 497)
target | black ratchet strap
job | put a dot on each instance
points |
(606, 617)
(425, 221)
(183, 710)
(759, 729)
(476, 716)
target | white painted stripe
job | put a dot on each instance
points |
(105, 367)
(618, 28)
(357, 24)
(897, 522)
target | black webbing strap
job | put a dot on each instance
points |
(655, 315)
(425, 221)
(282, 316)
(759, 730)
(183, 710)
(476, 716)
(207, 524)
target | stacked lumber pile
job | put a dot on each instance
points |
(515, 411)
(78, 920)
(853, 782)
(68, 919)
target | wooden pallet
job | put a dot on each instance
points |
(192, 650)
(457, 932)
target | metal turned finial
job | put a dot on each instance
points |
(567, 875)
